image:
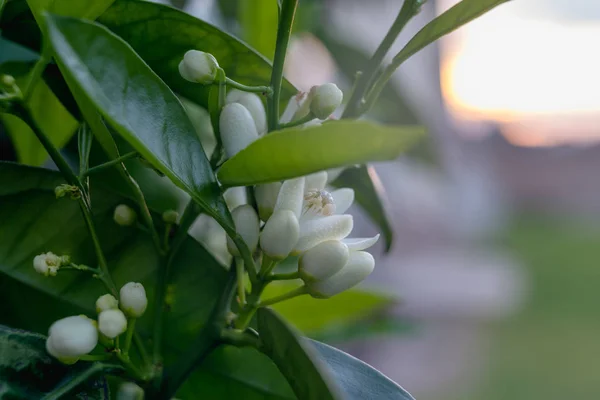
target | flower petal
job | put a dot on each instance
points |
(356, 244)
(291, 196)
(315, 181)
(318, 230)
(360, 264)
(343, 199)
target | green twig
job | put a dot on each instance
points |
(110, 163)
(284, 30)
(286, 296)
(239, 338)
(80, 378)
(309, 117)
(241, 281)
(266, 90)
(36, 74)
(282, 277)
(129, 335)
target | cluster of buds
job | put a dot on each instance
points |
(49, 263)
(72, 337)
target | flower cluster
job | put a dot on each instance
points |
(48, 263)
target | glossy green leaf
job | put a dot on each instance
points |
(27, 371)
(453, 18)
(299, 151)
(137, 104)
(161, 35)
(54, 120)
(258, 20)
(296, 359)
(371, 195)
(313, 315)
(88, 9)
(358, 379)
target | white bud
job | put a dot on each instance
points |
(247, 225)
(291, 196)
(315, 181)
(112, 323)
(318, 230)
(254, 105)
(280, 234)
(360, 264)
(235, 197)
(48, 264)
(198, 67)
(323, 261)
(237, 128)
(70, 338)
(124, 215)
(130, 391)
(326, 99)
(133, 299)
(266, 197)
(170, 216)
(106, 302)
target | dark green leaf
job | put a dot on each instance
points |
(88, 9)
(137, 104)
(371, 195)
(296, 359)
(358, 379)
(27, 371)
(161, 35)
(315, 148)
(455, 17)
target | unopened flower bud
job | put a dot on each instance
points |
(255, 106)
(266, 197)
(47, 264)
(291, 196)
(280, 234)
(235, 197)
(318, 230)
(247, 225)
(130, 391)
(70, 338)
(106, 302)
(124, 215)
(112, 323)
(7, 81)
(237, 128)
(198, 67)
(323, 260)
(326, 99)
(133, 299)
(170, 216)
(360, 264)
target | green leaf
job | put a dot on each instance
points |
(358, 379)
(313, 315)
(161, 35)
(27, 371)
(296, 359)
(315, 148)
(453, 18)
(258, 20)
(137, 104)
(371, 195)
(88, 9)
(54, 120)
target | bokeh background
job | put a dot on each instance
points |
(495, 268)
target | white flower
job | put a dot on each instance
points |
(106, 302)
(198, 67)
(130, 391)
(124, 215)
(323, 261)
(133, 299)
(247, 225)
(70, 338)
(254, 105)
(360, 264)
(112, 323)
(325, 100)
(280, 234)
(47, 264)
(237, 128)
(266, 197)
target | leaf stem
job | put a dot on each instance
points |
(36, 74)
(297, 122)
(129, 335)
(110, 163)
(266, 90)
(80, 378)
(284, 30)
(286, 296)
(241, 282)
(239, 338)
(282, 277)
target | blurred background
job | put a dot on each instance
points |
(494, 266)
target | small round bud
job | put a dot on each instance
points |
(106, 302)
(70, 338)
(133, 299)
(124, 215)
(326, 99)
(7, 81)
(323, 261)
(318, 230)
(255, 106)
(266, 197)
(112, 323)
(170, 216)
(198, 67)
(360, 264)
(130, 391)
(47, 264)
(247, 225)
(280, 234)
(237, 128)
